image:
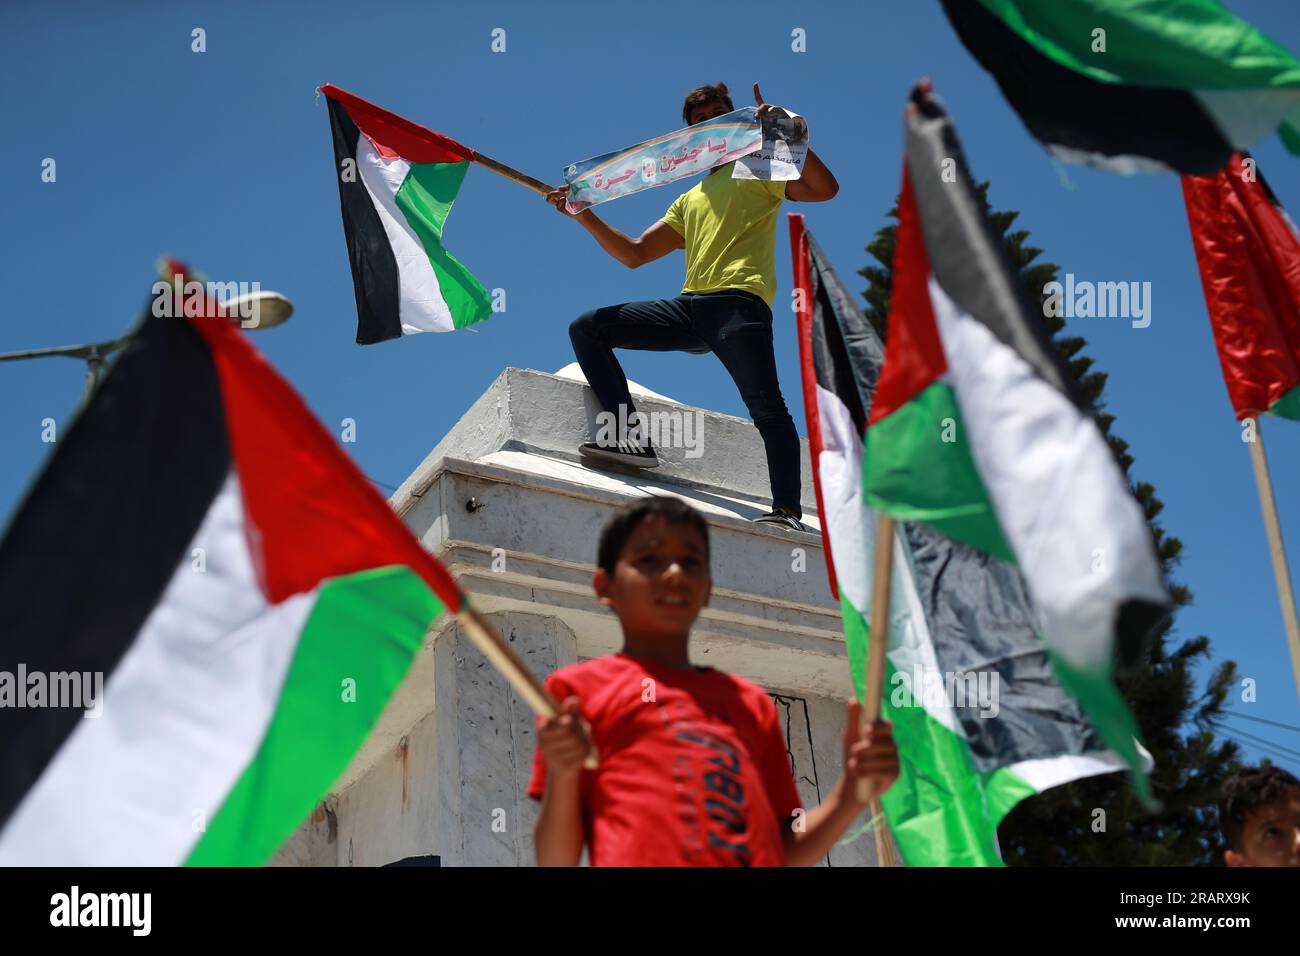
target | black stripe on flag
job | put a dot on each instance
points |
(375, 279)
(847, 354)
(976, 607)
(1062, 107)
(101, 533)
(966, 258)
(969, 262)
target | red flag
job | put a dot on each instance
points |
(1248, 251)
(803, 281)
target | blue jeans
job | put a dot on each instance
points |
(735, 326)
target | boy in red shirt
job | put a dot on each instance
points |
(693, 769)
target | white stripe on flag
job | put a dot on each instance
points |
(1079, 537)
(911, 649)
(851, 526)
(1123, 164)
(1048, 772)
(839, 469)
(422, 307)
(1245, 117)
(184, 713)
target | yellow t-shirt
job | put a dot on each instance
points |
(730, 230)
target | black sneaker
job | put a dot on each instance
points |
(782, 519)
(627, 453)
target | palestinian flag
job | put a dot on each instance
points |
(200, 542)
(397, 182)
(978, 430)
(1249, 254)
(1135, 85)
(980, 720)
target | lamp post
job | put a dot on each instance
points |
(93, 354)
(269, 308)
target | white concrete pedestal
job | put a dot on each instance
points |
(505, 504)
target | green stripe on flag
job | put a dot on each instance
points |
(1003, 789)
(910, 471)
(425, 198)
(942, 810)
(1288, 406)
(1289, 131)
(855, 643)
(1101, 701)
(1191, 44)
(937, 809)
(366, 627)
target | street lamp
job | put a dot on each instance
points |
(93, 354)
(268, 309)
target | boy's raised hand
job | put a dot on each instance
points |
(870, 756)
(565, 739)
(557, 198)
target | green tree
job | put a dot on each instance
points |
(1061, 826)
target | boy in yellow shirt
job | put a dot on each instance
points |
(728, 229)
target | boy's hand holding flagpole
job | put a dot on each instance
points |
(875, 680)
(501, 656)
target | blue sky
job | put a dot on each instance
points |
(223, 158)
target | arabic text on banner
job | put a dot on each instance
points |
(663, 159)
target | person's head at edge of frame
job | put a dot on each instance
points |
(1259, 814)
(706, 103)
(652, 570)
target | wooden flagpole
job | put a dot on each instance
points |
(512, 174)
(502, 656)
(1268, 506)
(877, 645)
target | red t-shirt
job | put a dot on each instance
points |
(693, 770)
